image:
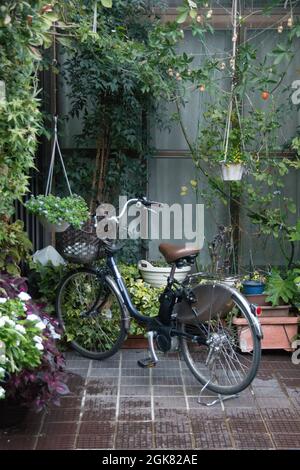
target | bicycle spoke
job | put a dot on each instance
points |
(221, 363)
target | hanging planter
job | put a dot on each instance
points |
(53, 227)
(232, 171)
(56, 214)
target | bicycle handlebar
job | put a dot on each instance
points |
(139, 201)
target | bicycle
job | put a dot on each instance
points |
(197, 320)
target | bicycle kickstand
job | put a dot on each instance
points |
(220, 399)
(152, 360)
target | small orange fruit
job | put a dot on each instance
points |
(265, 95)
(202, 87)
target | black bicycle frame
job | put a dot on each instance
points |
(151, 323)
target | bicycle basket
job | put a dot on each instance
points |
(81, 246)
(212, 301)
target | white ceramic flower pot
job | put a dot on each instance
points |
(157, 277)
(54, 227)
(232, 171)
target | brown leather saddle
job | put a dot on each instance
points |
(178, 253)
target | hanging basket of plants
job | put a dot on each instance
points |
(56, 213)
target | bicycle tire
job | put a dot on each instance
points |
(201, 371)
(108, 334)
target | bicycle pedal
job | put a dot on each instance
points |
(146, 363)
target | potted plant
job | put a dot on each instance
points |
(279, 326)
(145, 298)
(57, 213)
(254, 284)
(233, 167)
(31, 366)
(156, 274)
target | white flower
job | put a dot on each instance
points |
(33, 317)
(3, 300)
(37, 339)
(2, 392)
(2, 359)
(20, 329)
(2, 372)
(7, 320)
(40, 325)
(53, 333)
(24, 296)
(39, 346)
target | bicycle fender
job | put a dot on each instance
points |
(254, 319)
(113, 285)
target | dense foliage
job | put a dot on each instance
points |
(24, 27)
(115, 76)
(29, 354)
(261, 106)
(14, 246)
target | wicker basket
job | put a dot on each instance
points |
(80, 246)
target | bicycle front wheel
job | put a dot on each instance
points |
(224, 353)
(90, 314)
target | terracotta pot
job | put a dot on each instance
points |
(258, 299)
(11, 413)
(135, 342)
(280, 311)
(278, 333)
(267, 309)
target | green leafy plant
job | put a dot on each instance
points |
(21, 337)
(144, 297)
(256, 276)
(56, 210)
(281, 289)
(43, 282)
(14, 246)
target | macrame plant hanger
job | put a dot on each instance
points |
(94, 29)
(52, 161)
(233, 64)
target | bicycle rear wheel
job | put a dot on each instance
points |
(217, 356)
(90, 314)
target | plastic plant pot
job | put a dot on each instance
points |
(54, 227)
(157, 276)
(232, 171)
(253, 287)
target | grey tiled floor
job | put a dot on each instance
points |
(116, 405)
